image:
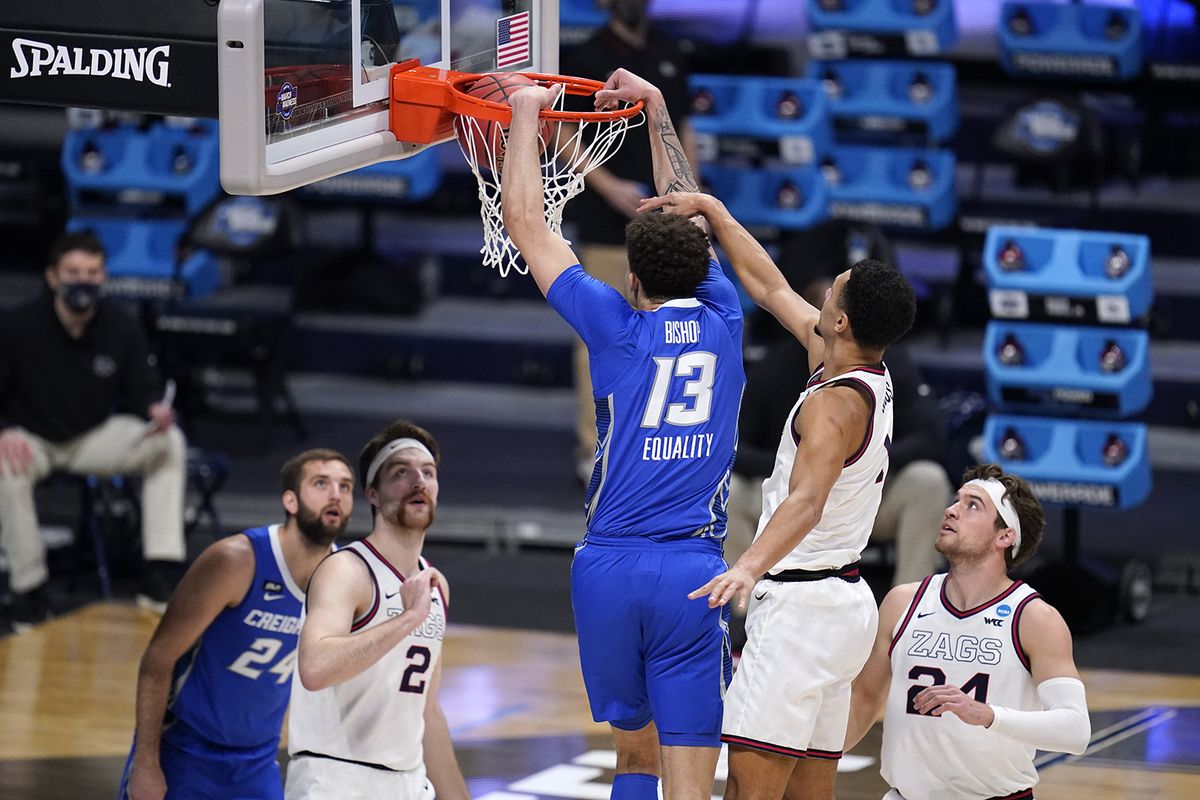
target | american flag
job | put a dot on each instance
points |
(512, 40)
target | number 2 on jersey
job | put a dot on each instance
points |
(262, 651)
(700, 388)
(977, 686)
(414, 680)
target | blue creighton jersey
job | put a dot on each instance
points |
(232, 688)
(667, 385)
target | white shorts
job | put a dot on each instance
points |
(315, 778)
(807, 642)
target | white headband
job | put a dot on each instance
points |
(995, 490)
(390, 449)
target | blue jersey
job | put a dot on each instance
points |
(667, 385)
(232, 688)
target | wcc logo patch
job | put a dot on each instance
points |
(1002, 611)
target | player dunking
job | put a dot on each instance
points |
(975, 669)
(811, 619)
(667, 377)
(365, 721)
(215, 679)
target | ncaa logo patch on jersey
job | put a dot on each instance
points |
(1003, 610)
(272, 590)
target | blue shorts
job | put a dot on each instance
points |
(647, 652)
(196, 769)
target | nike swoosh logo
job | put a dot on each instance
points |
(270, 596)
(926, 614)
(760, 596)
(390, 596)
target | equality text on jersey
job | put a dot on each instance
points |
(671, 448)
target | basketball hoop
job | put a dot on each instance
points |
(429, 104)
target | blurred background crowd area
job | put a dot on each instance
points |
(971, 143)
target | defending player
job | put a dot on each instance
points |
(365, 721)
(215, 679)
(974, 667)
(811, 620)
(667, 377)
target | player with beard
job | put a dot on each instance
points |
(365, 720)
(215, 679)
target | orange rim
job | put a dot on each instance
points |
(471, 106)
(425, 102)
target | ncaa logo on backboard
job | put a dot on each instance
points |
(285, 101)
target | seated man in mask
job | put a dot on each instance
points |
(78, 393)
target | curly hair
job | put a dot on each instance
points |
(400, 429)
(1029, 509)
(668, 254)
(879, 302)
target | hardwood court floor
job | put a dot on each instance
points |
(518, 716)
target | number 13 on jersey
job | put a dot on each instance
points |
(700, 368)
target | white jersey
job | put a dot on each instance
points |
(849, 514)
(978, 650)
(378, 716)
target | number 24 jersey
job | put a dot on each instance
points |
(978, 650)
(232, 687)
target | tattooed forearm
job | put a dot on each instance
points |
(685, 180)
(672, 172)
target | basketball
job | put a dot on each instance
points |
(496, 87)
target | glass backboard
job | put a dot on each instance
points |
(304, 83)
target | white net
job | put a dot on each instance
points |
(570, 150)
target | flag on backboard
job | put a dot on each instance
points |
(512, 40)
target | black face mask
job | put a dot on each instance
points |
(80, 297)
(631, 13)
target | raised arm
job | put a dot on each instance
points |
(524, 204)
(672, 169)
(623, 195)
(757, 271)
(218, 580)
(340, 588)
(868, 694)
(831, 426)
